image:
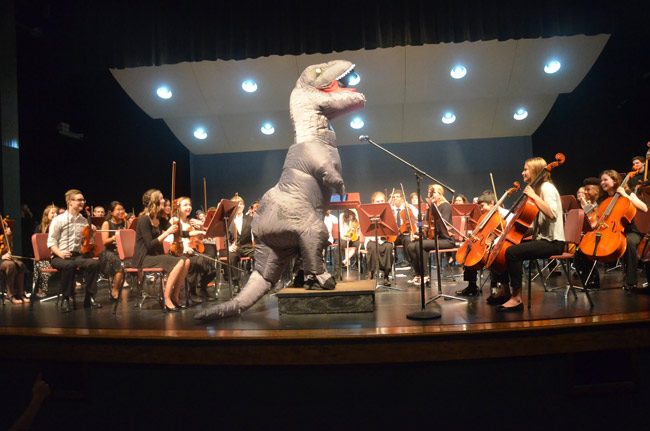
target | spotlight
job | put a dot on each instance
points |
(459, 71)
(164, 92)
(520, 114)
(356, 123)
(448, 118)
(552, 66)
(200, 133)
(249, 86)
(267, 129)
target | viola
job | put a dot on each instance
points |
(524, 212)
(473, 253)
(407, 219)
(607, 242)
(89, 246)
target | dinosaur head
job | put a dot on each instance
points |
(326, 89)
(328, 77)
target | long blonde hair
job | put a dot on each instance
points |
(535, 166)
(45, 222)
(151, 201)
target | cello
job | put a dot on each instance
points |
(473, 253)
(607, 242)
(524, 214)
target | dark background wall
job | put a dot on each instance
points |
(462, 165)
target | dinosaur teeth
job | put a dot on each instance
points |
(350, 69)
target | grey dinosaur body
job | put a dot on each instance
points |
(289, 220)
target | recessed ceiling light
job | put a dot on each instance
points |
(552, 66)
(267, 128)
(249, 86)
(356, 123)
(459, 71)
(200, 133)
(448, 117)
(520, 114)
(164, 92)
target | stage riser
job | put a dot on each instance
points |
(348, 297)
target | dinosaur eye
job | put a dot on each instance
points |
(319, 71)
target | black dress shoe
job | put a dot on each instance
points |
(90, 302)
(386, 282)
(470, 290)
(497, 300)
(518, 307)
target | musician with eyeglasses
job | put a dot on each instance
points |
(64, 240)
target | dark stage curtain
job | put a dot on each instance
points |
(144, 33)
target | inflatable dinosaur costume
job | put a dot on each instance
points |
(289, 220)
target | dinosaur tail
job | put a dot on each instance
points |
(255, 288)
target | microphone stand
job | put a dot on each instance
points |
(423, 313)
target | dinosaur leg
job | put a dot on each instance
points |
(269, 264)
(312, 243)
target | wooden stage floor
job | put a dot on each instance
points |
(466, 330)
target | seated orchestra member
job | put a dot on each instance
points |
(109, 261)
(397, 205)
(99, 211)
(151, 230)
(349, 225)
(460, 199)
(589, 198)
(487, 200)
(12, 271)
(201, 271)
(240, 237)
(610, 182)
(435, 197)
(638, 164)
(548, 235)
(253, 208)
(64, 240)
(380, 251)
(330, 220)
(49, 213)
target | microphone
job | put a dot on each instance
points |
(363, 137)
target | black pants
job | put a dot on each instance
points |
(236, 257)
(471, 275)
(418, 261)
(202, 272)
(380, 256)
(516, 254)
(68, 268)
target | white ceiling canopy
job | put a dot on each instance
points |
(408, 89)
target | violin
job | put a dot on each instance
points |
(89, 246)
(5, 237)
(408, 222)
(473, 253)
(196, 242)
(524, 213)
(607, 242)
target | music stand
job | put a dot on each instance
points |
(378, 220)
(224, 213)
(440, 228)
(350, 200)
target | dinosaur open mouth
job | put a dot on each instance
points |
(344, 78)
